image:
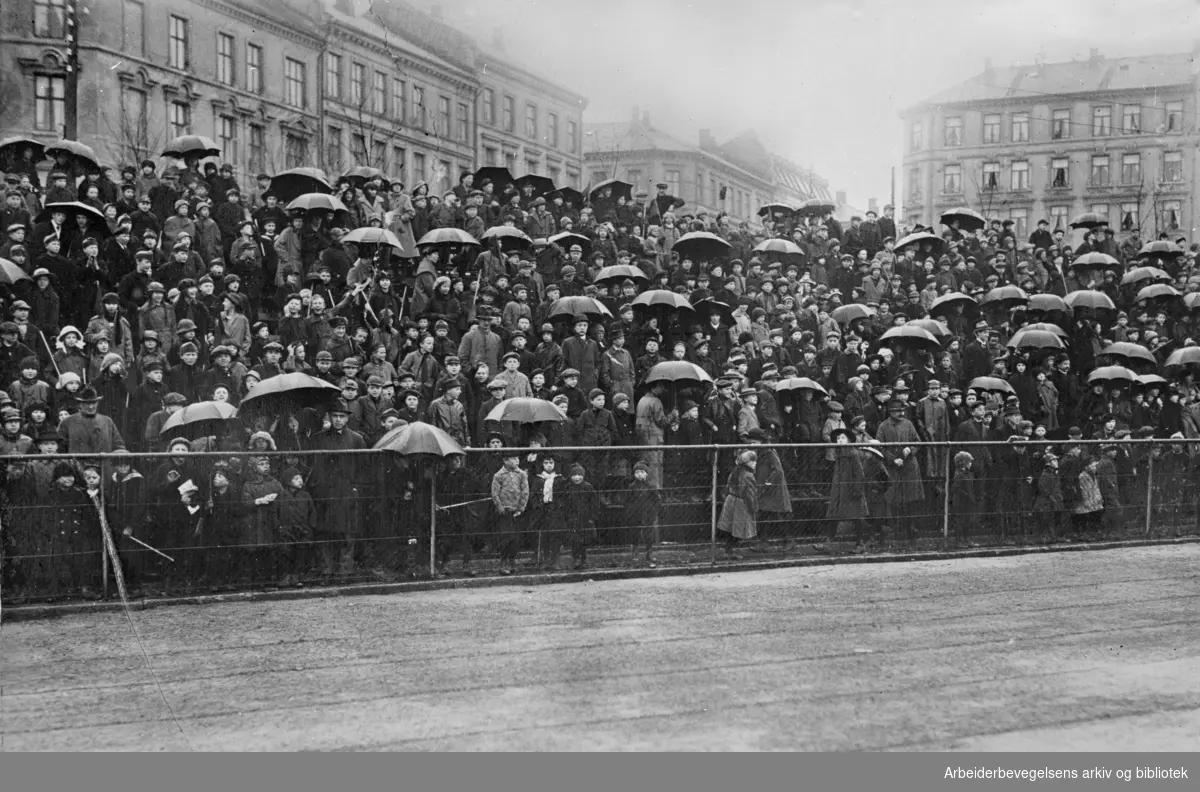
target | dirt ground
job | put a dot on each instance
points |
(1072, 651)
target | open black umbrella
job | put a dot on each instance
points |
(448, 236)
(907, 335)
(966, 218)
(815, 207)
(510, 237)
(419, 438)
(1095, 260)
(948, 302)
(799, 384)
(701, 245)
(1129, 354)
(566, 308)
(293, 183)
(287, 393)
(567, 238)
(372, 236)
(525, 410)
(361, 174)
(12, 147)
(541, 184)
(1187, 359)
(1139, 275)
(991, 385)
(1111, 374)
(1036, 339)
(707, 306)
(192, 146)
(783, 246)
(619, 189)
(498, 176)
(10, 273)
(677, 372)
(1160, 250)
(1004, 298)
(99, 227)
(568, 194)
(618, 273)
(845, 314)
(661, 299)
(772, 209)
(1047, 303)
(918, 239)
(316, 202)
(937, 329)
(1089, 299)
(1089, 220)
(82, 154)
(200, 419)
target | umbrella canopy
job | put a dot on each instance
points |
(618, 273)
(525, 411)
(361, 174)
(192, 146)
(767, 210)
(1093, 300)
(1004, 297)
(567, 238)
(845, 314)
(419, 438)
(778, 246)
(1143, 274)
(948, 302)
(99, 226)
(968, 219)
(1111, 374)
(499, 177)
(569, 194)
(567, 308)
(815, 207)
(709, 306)
(316, 202)
(296, 182)
(662, 298)
(1047, 303)
(202, 418)
(1125, 351)
(935, 328)
(1036, 339)
(911, 336)
(1150, 380)
(1160, 249)
(10, 273)
(1188, 357)
(74, 148)
(991, 385)
(373, 236)
(1095, 260)
(509, 237)
(619, 189)
(1089, 220)
(1047, 327)
(918, 239)
(1192, 300)
(1158, 291)
(11, 148)
(448, 236)
(541, 184)
(296, 390)
(677, 371)
(701, 244)
(799, 384)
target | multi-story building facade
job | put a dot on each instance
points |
(1052, 140)
(283, 83)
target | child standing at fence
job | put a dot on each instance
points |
(260, 496)
(1048, 501)
(964, 512)
(641, 511)
(579, 507)
(510, 496)
(297, 523)
(1110, 494)
(741, 504)
(1090, 507)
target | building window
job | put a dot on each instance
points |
(333, 75)
(1020, 218)
(1129, 216)
(135, 123)
(1174, 116)
(490, 157)
(181, 119)
(419, 173)
(914, 184)
(531, 167)
(991, 176)
(358, 149)
(333, 148)
(258, 148)
(443, 176)
(1173, 166)
(1101, 121)
(1171, 211)
(419, 105)
(671, 177)
(1099, 170)
(1060, 172)
(49, 18)
(915, 139)
(1131, 169)
(1100, 209)
(1020, 175)
(379, 152)
(399, 100)
(599, 176)
(225, 50)
(463, 121)
(254, 59)
(489, 106)
(510, 109)
(634, 177)
(358, 84)
(552, 129)
(953, 133)
(227, 136)
(399, 155)
(295, 83)
(1020, 127)
(952, 179)
(572, 137)
(443, 129)
(379, 93)
(1058, 217)
(133, 26)
(1060, 124)
(553, 172)
(573, 180)
(531, 120)
(510, 161)
(296, 150)
(177, 43)
(991, 128)
(1131, 119)
(50, 106)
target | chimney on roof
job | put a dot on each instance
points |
(839, 197)
(498, 38)
(435, 10)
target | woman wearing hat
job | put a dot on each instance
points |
(737, 520)
(158, 316)
(847, 508)
(906, 491)
(233, 328)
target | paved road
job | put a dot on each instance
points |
(1066, 651)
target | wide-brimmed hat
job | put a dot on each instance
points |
(88, 394)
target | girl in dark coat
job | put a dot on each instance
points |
(737, 519)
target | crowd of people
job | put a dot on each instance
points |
(146, 291)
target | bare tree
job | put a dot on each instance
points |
(131, 128)
(986, 190)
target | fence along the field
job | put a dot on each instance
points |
(379, 516)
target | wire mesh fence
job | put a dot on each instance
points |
(213, 522)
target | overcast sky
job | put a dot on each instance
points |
(822, 81)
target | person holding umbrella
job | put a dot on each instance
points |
(650, 429)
